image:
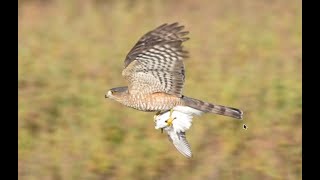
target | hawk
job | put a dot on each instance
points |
(155, 75)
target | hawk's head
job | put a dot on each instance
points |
(116, 93)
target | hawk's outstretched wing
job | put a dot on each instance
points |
(155, 63)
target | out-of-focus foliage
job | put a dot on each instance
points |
(244, 53)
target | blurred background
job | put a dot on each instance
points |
(245, 54)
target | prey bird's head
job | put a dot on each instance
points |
(117, 93)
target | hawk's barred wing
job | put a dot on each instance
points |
(155, 63)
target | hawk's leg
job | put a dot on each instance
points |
(169, 121)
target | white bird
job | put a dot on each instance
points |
(181, 122)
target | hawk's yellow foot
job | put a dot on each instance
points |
(169, 121)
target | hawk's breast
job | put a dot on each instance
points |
(152, 102)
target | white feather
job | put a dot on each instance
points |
(182, 116)
(188, 110)
(181, 122)
(179, 141)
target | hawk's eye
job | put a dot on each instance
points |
(166, 121)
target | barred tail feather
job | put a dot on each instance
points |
(213, 108)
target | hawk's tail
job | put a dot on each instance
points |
(213, 108)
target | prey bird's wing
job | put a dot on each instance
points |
(155, 63)
(179, 140)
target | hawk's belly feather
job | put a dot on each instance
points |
(152, 102)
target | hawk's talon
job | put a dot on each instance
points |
(169, 121)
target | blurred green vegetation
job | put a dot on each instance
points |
(245, 54)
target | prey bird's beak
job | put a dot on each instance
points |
(105, 96)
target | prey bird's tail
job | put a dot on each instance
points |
(213, 108)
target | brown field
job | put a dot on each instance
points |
(246, 54)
